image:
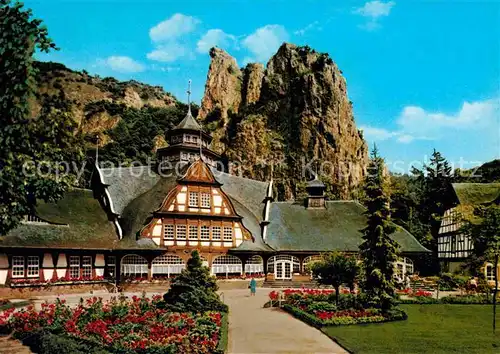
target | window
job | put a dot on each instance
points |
(17, 267)
(490, 274)
(193, 232)
(205, 233)
(215, 233)
(193, 199)
(169, 232)
(181, 232)
(33, 266)
(111, 264)
(205, 200)
(87, 267)
(134, 266)
(228, 233)
(74, 267)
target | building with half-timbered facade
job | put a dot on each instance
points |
(454, 247)
(145, 221)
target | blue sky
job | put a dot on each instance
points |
(421, 74)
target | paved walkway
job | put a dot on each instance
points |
(254, 329)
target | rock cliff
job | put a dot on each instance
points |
(294, 115)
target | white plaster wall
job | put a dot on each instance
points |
(181, 198)
(157, 230)
(217, 200)
(48, 262)
(61, 261)
(4, 261)
(99, 272)
(48, 273)
(3, 276)
(99, 260)
(156, 240)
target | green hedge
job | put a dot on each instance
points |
(394, 315)
(44, 342)
(457, 300)
(222, 347)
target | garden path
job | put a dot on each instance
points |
(254, 329)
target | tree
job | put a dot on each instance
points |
(32, 148)
(435, 197)
(335, 269)
(194, 290)
(483, 226)
(378, 250)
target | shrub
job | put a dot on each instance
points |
(321, 306)
(44, 342)
(194, 290)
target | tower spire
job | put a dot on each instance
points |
(189, 96)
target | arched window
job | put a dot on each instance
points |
(227, 264)
(254, 264)
(134, 265)
(309, 260)
(489, 272)
(168, 264)
(283, 257)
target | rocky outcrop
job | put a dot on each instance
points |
(223, 86)
(295, 115)
(252, 83)
(82, 92)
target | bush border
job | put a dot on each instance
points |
(317, 323)
(224, 333)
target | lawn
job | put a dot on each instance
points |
(429, 329)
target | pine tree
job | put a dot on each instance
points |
(194, 290)
(378, 250)
(436, 197)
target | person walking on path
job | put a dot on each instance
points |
(253, 287)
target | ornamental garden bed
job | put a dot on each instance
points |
(318, 307)
(139, 325)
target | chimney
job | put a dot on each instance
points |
(315, 194)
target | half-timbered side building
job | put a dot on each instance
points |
(453, 246)
(144, 222)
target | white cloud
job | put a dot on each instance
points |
(312, 26)
(213, 38)
(416, 123)
(376, 134)
(173, 28)
(122, 64)
(265, 41)
(168, 52)
(375, 9)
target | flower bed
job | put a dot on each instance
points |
(337, 318)
(20, 283)
(318, 307)
(120, 325)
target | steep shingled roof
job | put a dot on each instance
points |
(126, 183)
(189, 122)
(82, 223)
(337, 227)
(476, 193)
